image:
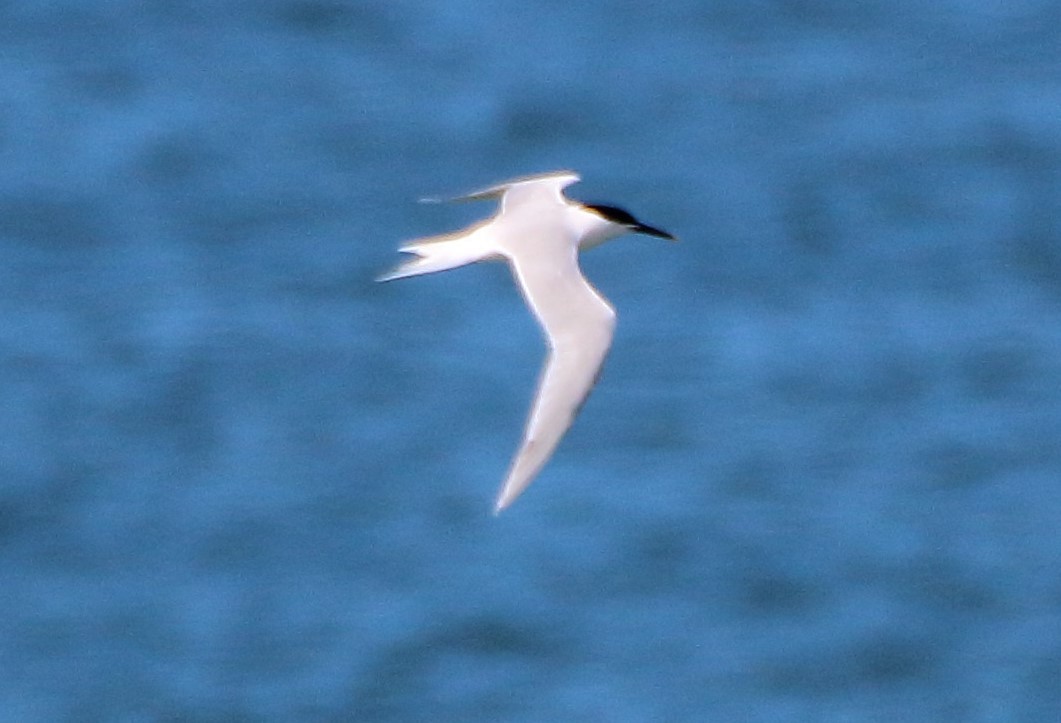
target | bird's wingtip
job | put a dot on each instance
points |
(501, 504)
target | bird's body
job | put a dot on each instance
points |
(539, 232)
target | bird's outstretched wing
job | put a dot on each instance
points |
(561, 179)
(578, 324)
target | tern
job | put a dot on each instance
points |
(539, 232)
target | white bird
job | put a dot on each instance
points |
(539, 232)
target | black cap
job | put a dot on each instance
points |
(625, 218)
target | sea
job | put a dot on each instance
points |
(818, 480)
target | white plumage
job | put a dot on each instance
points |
(539, 232)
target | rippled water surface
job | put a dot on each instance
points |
(820, 478)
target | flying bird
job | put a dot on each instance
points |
(538, 231)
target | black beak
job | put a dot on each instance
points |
(624, 218)
(651, 231)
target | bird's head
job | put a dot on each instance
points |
(624, 221)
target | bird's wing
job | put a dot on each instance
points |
(578, 324)
(555, 179)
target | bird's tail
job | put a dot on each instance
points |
(440, 253)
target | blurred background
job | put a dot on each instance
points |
(820, 478)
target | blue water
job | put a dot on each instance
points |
(820, 478)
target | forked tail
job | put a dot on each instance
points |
(440, 253)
